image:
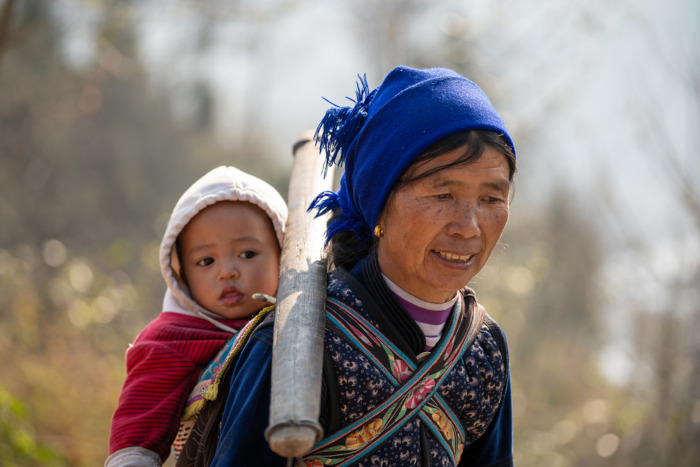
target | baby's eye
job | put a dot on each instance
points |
(205, 261)
(248, 254)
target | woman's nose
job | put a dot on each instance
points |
(465, 223)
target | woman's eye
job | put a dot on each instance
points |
(205, 261)
(248, 254)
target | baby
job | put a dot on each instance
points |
(221, 246)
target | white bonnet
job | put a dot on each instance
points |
(223, 183)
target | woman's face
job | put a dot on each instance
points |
(440, 230)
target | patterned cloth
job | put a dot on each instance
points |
(473, 389)
(415, 387)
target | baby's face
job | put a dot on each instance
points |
(229, 252)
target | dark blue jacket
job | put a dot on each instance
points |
(246, 414)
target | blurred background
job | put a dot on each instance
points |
(109, 110)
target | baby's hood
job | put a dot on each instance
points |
(224, 183)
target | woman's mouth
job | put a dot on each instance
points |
(454, 257)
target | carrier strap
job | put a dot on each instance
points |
(416, 385)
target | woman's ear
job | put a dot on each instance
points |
(378, 229)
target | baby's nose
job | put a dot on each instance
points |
(228, 270)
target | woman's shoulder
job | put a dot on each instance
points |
(497, 333)
(491, 338)
(260, 332)
(252, 343)
(490, 349)
(342, 285)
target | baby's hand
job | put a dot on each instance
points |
(264, 298)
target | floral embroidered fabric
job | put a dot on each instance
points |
(464, 403)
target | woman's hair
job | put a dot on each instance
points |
(345, 249)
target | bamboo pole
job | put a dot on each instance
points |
(297, 353)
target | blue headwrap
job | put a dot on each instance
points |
(379, 137)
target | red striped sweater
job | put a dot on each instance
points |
(162, 368)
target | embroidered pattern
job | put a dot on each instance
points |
(472, 390)
(361, 437)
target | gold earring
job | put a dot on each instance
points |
(378, 231)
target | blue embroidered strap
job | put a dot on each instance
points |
(393, 363)
(416, 386)
(396, 367)
(442, 421)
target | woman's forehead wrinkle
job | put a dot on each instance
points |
(444, 179)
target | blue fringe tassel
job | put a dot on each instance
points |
(341, 125)
(327, 201)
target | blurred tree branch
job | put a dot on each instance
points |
(5, 16)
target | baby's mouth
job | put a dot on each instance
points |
(231, 295)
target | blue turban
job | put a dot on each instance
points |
(380, 136)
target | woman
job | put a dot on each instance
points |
(415, 373)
